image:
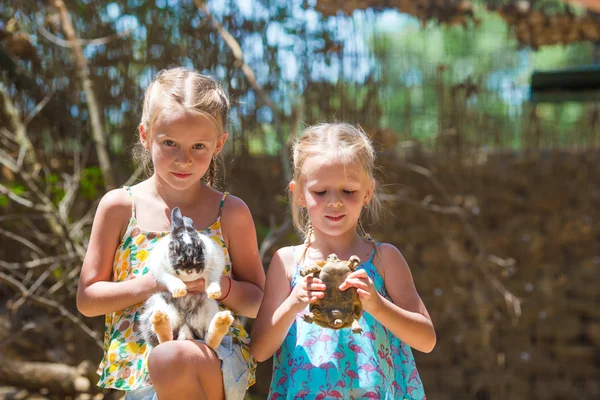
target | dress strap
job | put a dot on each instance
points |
(295, 258)
(221, 204)
(374, 251)
(128, 189)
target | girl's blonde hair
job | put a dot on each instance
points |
(194, 92)
(343, 141)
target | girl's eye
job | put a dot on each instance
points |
(321, 193)
(349, 191)
(199, 146)
(169, 143)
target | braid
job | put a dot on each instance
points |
(364, 234)
(310, 234)
(211, 175)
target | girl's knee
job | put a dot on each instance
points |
(176, 360)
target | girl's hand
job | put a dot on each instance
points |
(197, 286)
(370, 299)
(306, 291)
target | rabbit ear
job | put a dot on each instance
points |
(176, 219)
(188, 222)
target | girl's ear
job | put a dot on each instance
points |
(369, 193)
(301, 198)
(220, 143)
(144, 137)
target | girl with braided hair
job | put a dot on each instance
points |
(332, 190)
(181, 135)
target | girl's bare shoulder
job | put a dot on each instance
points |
(117, 202)
(286, 258)
(233, 206)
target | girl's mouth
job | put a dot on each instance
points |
(181, 176)
(334, 218)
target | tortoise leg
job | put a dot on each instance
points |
(308, 317)
(353, 263)
(309, 270)
(356, 327)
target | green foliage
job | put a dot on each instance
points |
(91, 183)
(59, 272)
(15, 188)
(57, 191)
(262, 231)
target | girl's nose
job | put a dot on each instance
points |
(335, 201)
(183, 160)
(183, 163)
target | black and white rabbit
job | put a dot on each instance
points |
(185, 255)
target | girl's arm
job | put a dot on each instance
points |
(96, 293)
(406, 317)
(248, 281)
(280, 307)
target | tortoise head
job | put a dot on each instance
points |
(333, 258)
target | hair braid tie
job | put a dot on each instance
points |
(364, 234)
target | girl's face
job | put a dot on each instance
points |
(182, 145)
(333, 193)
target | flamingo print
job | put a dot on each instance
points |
(407, 356)
(327, 393)
(397, 387)
(372, 395)
(307, 366)
(368, 368)
(301, 394)
(338, 355)
(355, 348)
(369, 335)
(325, 338)
(308, 344)
(351, 374)
(410, 389)
(282, 380)
(414, 375)
(385, 354)
(340, 384)
(326, 366)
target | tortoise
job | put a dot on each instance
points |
(337, 309)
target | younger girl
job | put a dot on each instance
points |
(333, 186)
(181, 135)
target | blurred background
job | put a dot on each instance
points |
(487, 124)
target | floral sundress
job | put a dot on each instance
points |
(124, 365)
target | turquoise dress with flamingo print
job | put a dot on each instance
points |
(321, 363)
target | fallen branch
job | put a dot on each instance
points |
(56, 378)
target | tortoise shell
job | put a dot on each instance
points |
(337, 309)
